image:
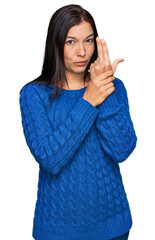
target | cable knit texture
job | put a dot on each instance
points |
(78, 148)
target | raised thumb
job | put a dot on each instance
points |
(116, 62)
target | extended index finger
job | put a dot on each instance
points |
(99, 50)
(105, 52)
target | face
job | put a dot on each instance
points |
(79, 47)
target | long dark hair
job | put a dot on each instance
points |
(53, 69)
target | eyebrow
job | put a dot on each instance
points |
(86, 37)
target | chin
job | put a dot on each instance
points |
(80, 70)
(76, 70)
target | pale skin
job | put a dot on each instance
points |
(80, 46)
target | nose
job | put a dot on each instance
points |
(81, 51)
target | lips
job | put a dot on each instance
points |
(81, 62)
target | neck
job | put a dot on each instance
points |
(75, 81)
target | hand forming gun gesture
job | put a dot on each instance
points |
(101, 71)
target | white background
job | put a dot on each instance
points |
(128, 29)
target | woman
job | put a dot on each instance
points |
(80, 137)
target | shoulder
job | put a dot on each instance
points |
(33, 88)
(120, 91)
(118, 82)
(26, 87)
(119, 86)
(33, 93)
(27, 93)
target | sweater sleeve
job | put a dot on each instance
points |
(53, 148)
(115, 128)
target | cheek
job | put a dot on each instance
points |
(68, 54)
(91, 50)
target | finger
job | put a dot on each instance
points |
(107, 80)
(92, 71)
(99, 50)
(96, 62)
(108, 86)
(115, 63)
(105, 75)
(91, 67)
(97, 65)
(110, 90)
(105, 52)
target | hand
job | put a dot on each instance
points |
(101, 71)
(99, 88)
(103, 63)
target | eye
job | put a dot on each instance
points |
(69, 42)
(90, 40)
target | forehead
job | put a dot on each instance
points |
(81, 30)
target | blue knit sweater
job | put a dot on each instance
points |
(78, 148)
